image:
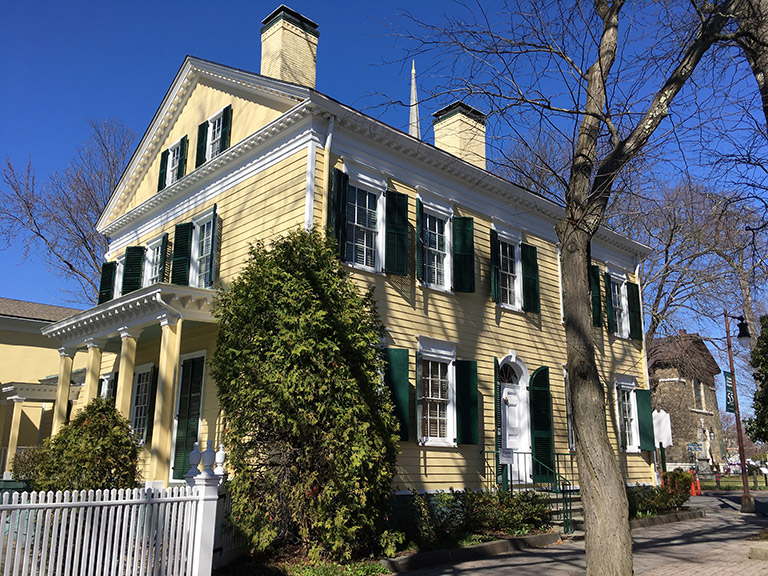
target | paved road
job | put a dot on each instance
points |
(716, 545)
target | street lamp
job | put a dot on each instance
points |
(747, 501)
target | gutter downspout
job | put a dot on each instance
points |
(327, 169)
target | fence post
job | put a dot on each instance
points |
(207, 489)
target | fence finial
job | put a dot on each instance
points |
(209, 457)
(220, 457)
(194, 461)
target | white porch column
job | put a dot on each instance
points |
(62, 391)
(130, 338)
(162, 435)
(13, 439)
(92, 372)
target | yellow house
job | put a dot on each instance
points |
(26, 359)
(464, 264)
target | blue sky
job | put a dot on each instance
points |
(64, 63)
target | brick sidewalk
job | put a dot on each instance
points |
(716, 545)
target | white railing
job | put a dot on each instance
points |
(149, 531)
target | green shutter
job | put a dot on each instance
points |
(107, 283)
(609, 312)
(164, 258)
(338, 211)
(541, 426)
(181, 169)
(645, 420)
(182, 249)
(531, 299)
(134, 267)
(396, 250)
(151, 409)
(163, 169)
(419, 240)
(188, 415)
(396, 379)
(202, 143)
(635, 312)
(213, 262)
(594, 288)
(467, 421)
(495, 277)
(463, 254)
(226, 128)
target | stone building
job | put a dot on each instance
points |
(682, 377)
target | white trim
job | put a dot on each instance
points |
(381, 233)
(194, 255)
(309, 200)
(364, 176)
(170, 175)
(433, 206)
(117, 287)
(209, 155)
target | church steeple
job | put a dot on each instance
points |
(414, 128)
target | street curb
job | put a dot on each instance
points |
(474, 552)
(667, 518)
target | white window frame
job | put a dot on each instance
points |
(513, 238)
(171, 169)
(108, 384)
(619, 278)
(149, 261)
(137, 372)
(119, 269)
(194, 260)
(438, 210)
(212, 144)
(627, 385)
(445, 352)
(370, 180)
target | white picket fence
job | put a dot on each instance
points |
(141, 532)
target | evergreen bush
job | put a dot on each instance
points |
(310, 427)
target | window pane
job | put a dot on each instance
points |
(141, 403)
(434, 250)
(507, 270)
(434, 399)
(204, 255)
(361, 227)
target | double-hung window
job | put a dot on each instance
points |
(506, 268)
(196, 249)
(436, 393)
(142, 404)
(507, 273)
(213, 136)
(435, 260)
(173, 164)
(362, 227)
(626, 410)
(155, 261)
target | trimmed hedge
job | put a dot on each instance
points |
(653, 500)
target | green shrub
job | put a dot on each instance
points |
(311, 430)
(653, 500)
(25, 464)
(95, 450)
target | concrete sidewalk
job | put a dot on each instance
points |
(716, 545)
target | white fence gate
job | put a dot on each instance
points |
(141, 532)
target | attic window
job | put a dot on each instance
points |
(213, 136)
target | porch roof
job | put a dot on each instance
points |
(146, 307)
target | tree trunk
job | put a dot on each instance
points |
(607, 536)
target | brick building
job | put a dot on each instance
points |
(682, 377)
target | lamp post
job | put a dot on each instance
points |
(747, 501)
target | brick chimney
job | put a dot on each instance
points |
(289, 47)
(460, 130)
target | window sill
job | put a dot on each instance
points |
(436, 288)
(631, 450)
(699, 411)
(508, 307)
(437, 443)
(361, 268)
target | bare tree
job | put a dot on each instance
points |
(569, 68)
(58, 219)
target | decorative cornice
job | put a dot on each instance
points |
(207, 171)
(133, 312)
(191, 72)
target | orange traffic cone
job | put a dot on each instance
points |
(693, 487)
(698, 486)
